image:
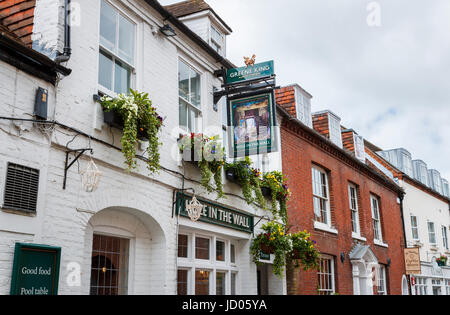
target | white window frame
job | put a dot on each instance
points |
(335, 131)
(436, 284)
(330, 287)
(432, 233)
(414, 228)
(212, 265)
(381, 280)
(444, 237)
(354, 211)
(376, 218)
(114, 55)
(325, 218)
(197, 109)
(213, 41)
(421, 286)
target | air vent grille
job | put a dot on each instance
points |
(21, 190)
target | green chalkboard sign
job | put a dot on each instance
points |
(35, 270)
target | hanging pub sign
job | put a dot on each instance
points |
(252, 121)
(214, 214)
(412, 261)
(250, 72)
(35, 270)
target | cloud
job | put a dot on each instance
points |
(390, 83)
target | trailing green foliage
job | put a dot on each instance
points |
(138, 114)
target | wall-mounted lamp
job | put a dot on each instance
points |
(167, 30)
(389, 262)
(342, 257)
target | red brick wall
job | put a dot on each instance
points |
(298, 156)
(348, 140)
(17, 16)
(285, 97)
(321, 124)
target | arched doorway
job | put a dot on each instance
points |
(125, 253)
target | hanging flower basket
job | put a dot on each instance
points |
(208, 154)
(136, 116)
(442, 261)
(113, 119)
(266, 191)
(267, 249)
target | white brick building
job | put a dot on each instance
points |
(135, 209)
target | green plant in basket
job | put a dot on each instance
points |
(208, 154)
(280, 193)
(249, 179)
(138, 115)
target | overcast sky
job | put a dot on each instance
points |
(391, 83)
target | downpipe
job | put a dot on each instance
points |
(67, 51)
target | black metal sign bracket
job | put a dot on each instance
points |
(78, 154)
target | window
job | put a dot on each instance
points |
(206, 269)
(303, 108)
(376, 219)
(421, 286)
(217, 40)
(202, 248)
(21, 188)
(320, 196)
(232, 254)
(233, 283)
(335, 130)
(444, 237)
(326, 276)
(109, 269)
(447, 287)
(414, 228)
(116, 52)
(223, 106)
(182, 282)
(220, 251)
(436, 286)
(431, 233)
(353, 199)
(220, 283)
(381, 281)
(202, 282)
(189, 97)
(182, 246)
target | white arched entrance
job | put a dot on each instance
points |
(124, 248)
(363, 262)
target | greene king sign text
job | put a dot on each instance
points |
(257, 71)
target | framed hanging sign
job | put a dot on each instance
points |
(252, 120)
(35, 270)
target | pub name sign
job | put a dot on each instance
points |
(218, 215)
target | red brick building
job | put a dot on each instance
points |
(351, 209)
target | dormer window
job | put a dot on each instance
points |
(335, 130)
(217, 41)
(303, 107)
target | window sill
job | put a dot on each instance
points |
(359, 237)
(24, 213)
(434, 248)
(324, 227)
(380, 243)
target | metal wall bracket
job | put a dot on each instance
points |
(78, 154)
